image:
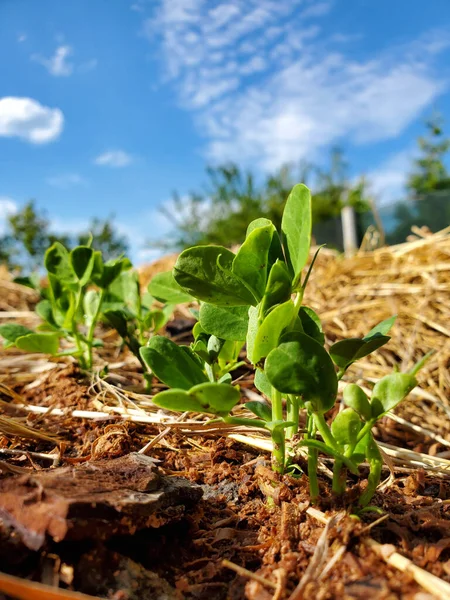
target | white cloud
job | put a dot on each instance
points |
(7, 207)
(25, 118)
(66, 180)
(58, 64)
(22, 37)
(114, 158)
(265, 86)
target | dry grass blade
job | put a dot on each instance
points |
(432, 584)
(11, 427)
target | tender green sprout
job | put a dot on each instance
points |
(256, 295)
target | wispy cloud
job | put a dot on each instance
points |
(114, 159)
(66, 180)
(266, 86)
(8, 207)
(58, 64)
(29, 120)
(22, 37)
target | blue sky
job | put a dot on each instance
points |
(109, 106)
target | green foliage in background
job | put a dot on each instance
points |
(428, 185)
(233, 198)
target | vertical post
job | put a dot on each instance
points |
(349, 230)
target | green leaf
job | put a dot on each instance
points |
(275, 250)
(61, 301)
(226, 322)
(301, 366)
(260, 409)
(205, 272)
(345, 427)
(230, 351)
(271, 328)
(82, 261)
(250, 263)
(118, 320)
(278, 288)
(164, 288)
(311, 324)
(296, 229)
(45, 311)
(382, 328)
(212, 398)
(366, 448)
(214, 347)
(346, 352)
(32, 281)
(198, 330)
(125, 288)
(156, 319)
(57, 262)
(390, 391)
(355, 397)
(172, 364)
(10, 332)
(103, 274)
(48, 343)
(263, 384)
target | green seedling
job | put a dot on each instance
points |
(256, 295)
(79, 281)
(135, 315)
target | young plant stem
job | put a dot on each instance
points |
(313, 459)
(90, 335)
(246, 422)
(365, 430)
(373, 480)
(327, 450)
(339, 477)
(277, 405)
(292, 415)
(74, 330)
(297, 305)
(325, 431)
(278, 435)
(340, 374)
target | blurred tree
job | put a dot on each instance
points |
(232, 198)
(430, 173)
(28, 236)
(428, 185)
(29, 230)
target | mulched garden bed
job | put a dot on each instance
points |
(82, 522)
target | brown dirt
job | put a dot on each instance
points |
(248, 515)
